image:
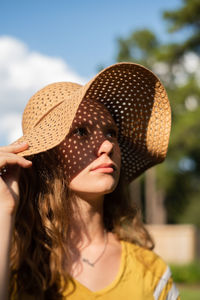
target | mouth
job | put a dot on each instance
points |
(104, 168)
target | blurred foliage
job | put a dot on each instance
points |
(189, 293)
(140, 45)
(189, 273)
(188, 16)
(179, 176)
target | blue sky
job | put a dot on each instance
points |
(83, 33)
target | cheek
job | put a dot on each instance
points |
(117, 155)
(76, 154)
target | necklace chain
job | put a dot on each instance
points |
(92, 264)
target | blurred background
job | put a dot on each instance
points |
(47, 41)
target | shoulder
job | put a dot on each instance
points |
(152, 270)
(148, 259)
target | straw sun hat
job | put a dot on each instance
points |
(133, 95)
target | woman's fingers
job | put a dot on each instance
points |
(10, 165)
(15, 148)
(8, 156)
(13, 159)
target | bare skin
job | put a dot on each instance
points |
(90, 199)
(9, 198)
(92, 244)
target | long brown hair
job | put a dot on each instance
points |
(123, 217)
(42, 228)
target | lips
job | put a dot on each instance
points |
(104, 168)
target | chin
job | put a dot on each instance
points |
(105, 186)
(102, 185)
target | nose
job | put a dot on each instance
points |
(106, 147)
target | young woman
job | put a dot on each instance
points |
(67, 227)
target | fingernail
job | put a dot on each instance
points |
(20, 143)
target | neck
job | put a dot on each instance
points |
(89, 219)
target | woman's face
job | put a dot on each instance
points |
(90, 154)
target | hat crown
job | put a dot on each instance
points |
(135, 98)
(42, 102)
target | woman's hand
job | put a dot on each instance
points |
(10, 164)
(9, 198)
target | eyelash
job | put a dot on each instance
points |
(80, 131)
(113, 133)
(83, 132)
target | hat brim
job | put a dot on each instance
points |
(138, 103)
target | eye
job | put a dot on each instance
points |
(80, 131)
(112, 133)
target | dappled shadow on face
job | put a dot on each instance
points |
(92, 125)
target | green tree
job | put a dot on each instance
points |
(187, 18)
(184, 153)
(139, 46)
(142, 47)
(178, 178)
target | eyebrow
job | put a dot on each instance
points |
(86, 124)
(113, 125)
(80, 123)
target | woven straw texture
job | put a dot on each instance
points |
(132, 94)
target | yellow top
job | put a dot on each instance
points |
(142, 276)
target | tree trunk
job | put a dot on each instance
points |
(135, 192)
(154, 200)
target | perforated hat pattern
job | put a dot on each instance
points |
(133, 95)
(139, 105)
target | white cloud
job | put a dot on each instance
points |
(22, 73)
(10, 127)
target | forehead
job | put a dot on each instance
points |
(93, 111)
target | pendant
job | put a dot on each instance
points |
(85, 260)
